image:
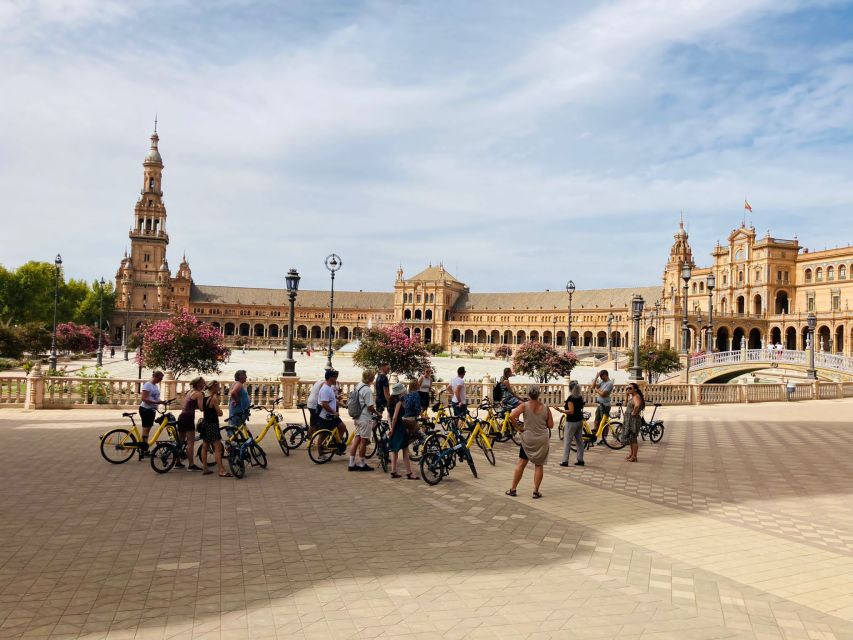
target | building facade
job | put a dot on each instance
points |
(765, 288)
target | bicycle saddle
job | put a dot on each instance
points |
(127, 414)
(301, 405)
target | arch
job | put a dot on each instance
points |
(469, 335)
(830, 273)
(741, 305)
(455, 336)
(343, 333)
(482, 336)
(791, 338)
(273, 331)
(756, 304)
(754, 341)
(818, 274)
(302, 332)
(842, 272)
(407, 314)
(428, 314)
(520, 337)
(534, 336)
(285, 331)
(408, 332)
(548, 338)
(737, 337)
(616, 340)
(326, 333)
(418, 333)
(495, 336)
(427, 335)
(258, 330)
(807, 275)
(723, 339)
(823, 339)
(576, 339)
(781, 305)
(316, 332)
(701, 287)
(229, 328)
(804, 338)
(695, 287)
(418, 314)
(838, 343)
(650, 334)
(244, 329)
(507, 337)
(561, 338)
(724, 305)
(775, 335)
(587, 338)
(601, 339)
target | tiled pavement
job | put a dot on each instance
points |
(738, 525)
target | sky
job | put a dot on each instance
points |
(521, 144)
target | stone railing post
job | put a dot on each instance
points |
(696, 391)
(288, 391)
(488, 385)
(743, 394)
(34, 398)
(170, 386)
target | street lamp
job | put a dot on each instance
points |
(292, 279)
(570, 289)
(711, 284)
(686, 272)
(333, 263)
(637, 304)
(57, 263)
(101, 326)
(125, 335)
(609, 336)
(812, 322)
(658, 314)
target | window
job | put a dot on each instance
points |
(779, 275)
(694, 287)
(758, 275)
(818, 274)
(725, 278)
(810, 302)
(146, 257)
(807, 275)
(842, 272)
(830, 273)
(836, 302)
(150, 186)
(740, 277)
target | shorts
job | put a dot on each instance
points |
(314, 417)
(147, 416)
(328, 423)
(209, 431)
(186, 423)
(522, 454)
(424, 399)
(460, 409)
(364, 429)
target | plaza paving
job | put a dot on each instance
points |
(738, 525)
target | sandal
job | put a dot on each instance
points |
(394, 474)
(511, 492)
(227, 474)
(412, 476)
(536, 495)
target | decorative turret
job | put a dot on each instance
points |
(681, 251)
(184, 271)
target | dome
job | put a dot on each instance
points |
(154, 156)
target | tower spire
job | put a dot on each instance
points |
(155, 123)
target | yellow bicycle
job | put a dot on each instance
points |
(500, 426)
(477, 435)
(242, 433)
(609, 430)
(119, 445)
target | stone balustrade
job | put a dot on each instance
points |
(37, 391)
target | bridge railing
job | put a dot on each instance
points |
(722, 358)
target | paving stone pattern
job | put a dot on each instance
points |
(738, 525)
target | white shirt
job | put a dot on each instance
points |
(153, 395)
(327, 394)
(314, 394)
(454, 384)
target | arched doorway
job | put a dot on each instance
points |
(722, 339)
(407, 314)
(481, 336)
(838, 345)
(823, 339)
(575, 338)
(417, 315)
(601, 339)
(418, 334)
(427, 336)
(741, 305)
(520, 337)
(616, 340)
(244, 330)
(455, 336)
(756, 305)
(804, 340)
(781, 305)
(534, 336)
(428, 314)
(343, 333)
(547, 338)
(316, 333)
(469, 336)
(754, 341)
(259, 331)
(791, 338)
(273, 331)
(650, 335)
(229, 328)
(561, 338)
(302, 332)
(587, 338)
(507, 337)
(495, 336)
(738, 337)
(775, 335)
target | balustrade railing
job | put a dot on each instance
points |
(13, 390)
(822, 360)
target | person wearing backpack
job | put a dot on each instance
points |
(508, 397)
(361, 408)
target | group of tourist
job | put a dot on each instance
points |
(375, 397)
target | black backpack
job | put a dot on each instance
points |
(498, 392)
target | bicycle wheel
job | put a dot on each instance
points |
(294, 435)
(321, 446)
(118, 446)
(561, 429)
(470, 460)
(384, 457)
(163, 457)
(613, 435)
(200, 451)
(416, 448)
(370, 449)
(516, 434)
(487, 451)
(656, 433)
(282, 443)
(235, 463)
(432, 468)
(258, 455)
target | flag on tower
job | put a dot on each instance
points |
(747, 206)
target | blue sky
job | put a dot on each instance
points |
(522, 144)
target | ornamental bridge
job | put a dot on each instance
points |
(725, 365)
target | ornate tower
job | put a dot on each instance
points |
(679, 254)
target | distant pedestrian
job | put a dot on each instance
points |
(398, 434)
(363, 423)
(275, 351)
(425, 387)
(193, 401)
(458, 398)
(112, 352)
(636, 402)
(535, 435)
(574, 425)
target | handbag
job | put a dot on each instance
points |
(411, 424)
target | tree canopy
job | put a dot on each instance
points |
(656, 360)
(391, 345)
(182, 343)
(543, 362)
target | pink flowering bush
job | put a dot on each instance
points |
(503, 352)
(75, 338)
(182, 343)
(391, 344)
(543, 362)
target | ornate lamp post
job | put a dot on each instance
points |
(101, 326)
(658, 306)
(686, 272)
(125, 336)
(812, 322)
(292, 279)
(609, 336)
(711, 284)
(333, 263)
(57, 263)
(637, 304)
(554, 332)
(570, 289)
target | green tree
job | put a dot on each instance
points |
(29, 293)
(88, 309)
(34, 337)
(405, 355)
(10, 342)
(543, 362)
(656, 360)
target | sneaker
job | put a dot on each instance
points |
(366, 467)
(579, 463)
(352, 468)
(194, 467)
(564, 464)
